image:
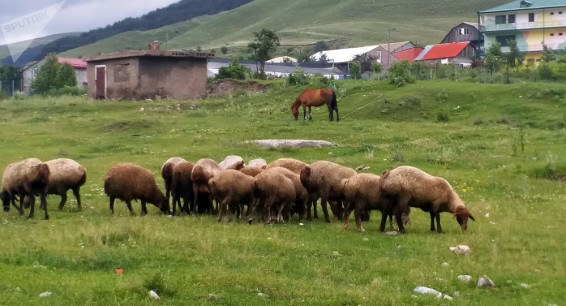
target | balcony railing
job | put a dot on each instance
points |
(522, 26)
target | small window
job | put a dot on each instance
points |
(463, 31)
(501, 19)
(511, 19)
(531, 17)
(504, 40)
(551, 13)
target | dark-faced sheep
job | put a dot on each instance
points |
(127, 182)
(65, 174)
(362, 193)
(167, 173)
(26, 178)
(272, 190)
(410, 186)
(203, 171)
(232, 189)
(324, 179)
(182, 188)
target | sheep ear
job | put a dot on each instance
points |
(472, 217)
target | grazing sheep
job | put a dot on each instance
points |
(362, 193)
(410, 186)
(25, 178)
(203, 171)
(324, 179)
(127, 182)
(65, 174)
(251, 171)
(232, 188)
(273, 190)
(232, 162)
(301, 193)
(297, 166)
(167, 173)
(182, 187)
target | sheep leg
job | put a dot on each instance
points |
(222, 209)
(43, 199)
(63, 201)
(346, 215)
(112, 204)
(251, 211)
(357, 215)
(437, 215)
(143, 208)
(280, 213)
(174, 202)
(129, 204)
(76, 192)
(324, 205)
(19, 208)
(432, 228)
(31, 206)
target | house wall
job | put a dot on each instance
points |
(458, 34)
(181, 78)
(545, 27)
(141, 78)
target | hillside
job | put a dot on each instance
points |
(301, 23)
(176, 12)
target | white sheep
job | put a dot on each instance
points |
(25, 178)
(232, 162)
(410, 186)
(127, 181)
(65, 174)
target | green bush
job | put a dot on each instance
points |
(67, 91)
(400, 74)
(298, 77)
(234, 71)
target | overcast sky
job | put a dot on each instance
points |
(72, 16)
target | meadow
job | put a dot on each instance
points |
(502, 147)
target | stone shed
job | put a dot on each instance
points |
(146, 74)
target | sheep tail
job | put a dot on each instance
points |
(305, 175)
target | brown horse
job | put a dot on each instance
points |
(316, 97)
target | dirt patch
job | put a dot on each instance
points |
(225, 87)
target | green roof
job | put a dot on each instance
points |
(526, 5)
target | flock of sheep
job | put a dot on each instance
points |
(272, 192)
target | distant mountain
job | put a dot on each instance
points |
(300, 24)
(174, 13)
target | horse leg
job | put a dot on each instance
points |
(337, 116)
(330, 113)
(310, 113)
(304, 112)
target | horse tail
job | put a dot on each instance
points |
(334, 103)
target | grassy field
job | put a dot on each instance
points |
(301, 23)
(498, 145)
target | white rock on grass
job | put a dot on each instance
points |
(430, 291)
(445, 264)
(526, 286)
(263, 295)
(45, 294)
(153, 295)
(392, 233)
(461, 249)
(485, 282)
(465, 278)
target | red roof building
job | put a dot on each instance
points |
(443, 51)
(77, 63)
(409, 54)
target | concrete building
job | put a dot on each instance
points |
(533, 24)
(147, 74)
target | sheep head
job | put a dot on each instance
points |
(462, 214)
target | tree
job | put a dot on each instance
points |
(224, 49)
(355, 70)
(365, 60)
(547, 54)
(514, 58)
(234, 71)
(46, 77)
(320, 46)
(8, 73)
(493, 58)
(66, 76)
(264, 43)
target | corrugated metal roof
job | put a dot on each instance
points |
(348, 54)
(526, 5)
(442, 51)
(77, 63)
(409, 54)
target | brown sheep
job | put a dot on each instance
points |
(362, 193)
(301, 193)
(273, 190)
(324, 179)
(232, 188)
(127, 182)
(65, 174)
(203, 171)
(167, 173)
(258, 162)
(410, 186)
(182, 187)
(25, 178)
(251, 171)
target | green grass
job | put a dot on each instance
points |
(301, 23)
(507, 165)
